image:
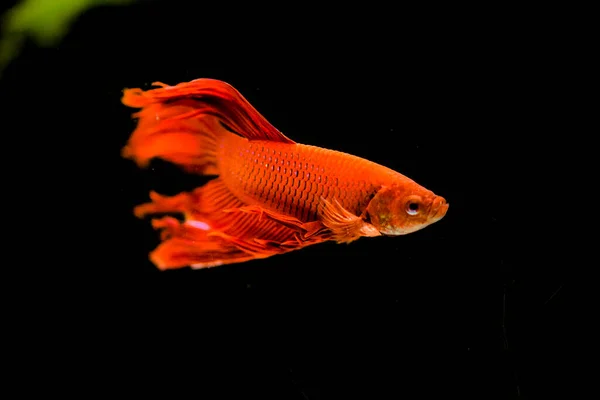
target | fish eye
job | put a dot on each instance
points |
(413, 205)
(412, 208)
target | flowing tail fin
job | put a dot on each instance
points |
(183, 124)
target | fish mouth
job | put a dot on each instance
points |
(438, 210)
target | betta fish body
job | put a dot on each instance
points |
(270, 195)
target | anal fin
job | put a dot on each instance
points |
(219, 229)
(308, 229)
(185, 244)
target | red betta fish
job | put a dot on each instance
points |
(270, 195)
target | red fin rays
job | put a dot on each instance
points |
(219, 229)
(164, 131)
(186, 245)
(181, 123)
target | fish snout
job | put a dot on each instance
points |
(439, 207)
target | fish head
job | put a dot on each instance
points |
(405, 207)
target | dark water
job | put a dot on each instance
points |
(450, 310)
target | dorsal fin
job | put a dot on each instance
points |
(213, 97)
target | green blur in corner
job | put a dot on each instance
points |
(46, 22)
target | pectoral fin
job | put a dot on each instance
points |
(344, 225)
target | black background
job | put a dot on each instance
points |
(439, 95)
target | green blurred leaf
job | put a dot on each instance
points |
(45, 21)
